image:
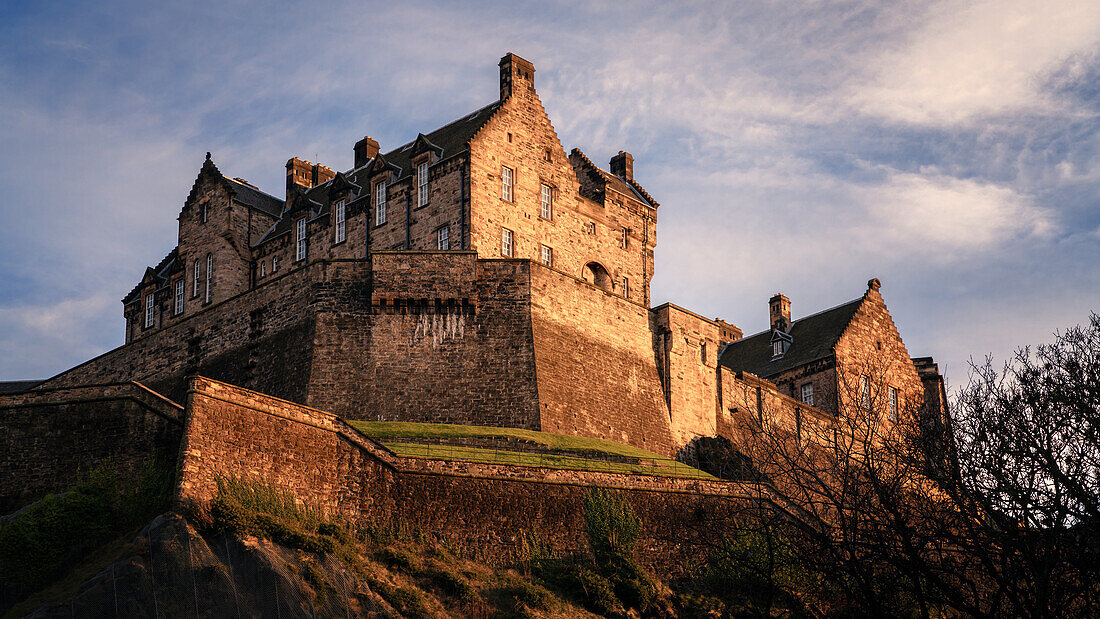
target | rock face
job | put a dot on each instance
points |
(177, 572)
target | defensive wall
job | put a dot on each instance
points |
(486, 509)
(49, 438)
(433, 336)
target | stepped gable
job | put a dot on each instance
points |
(606, 179)
(241, 191)
(813, 338)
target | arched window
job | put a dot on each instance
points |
(595, 274)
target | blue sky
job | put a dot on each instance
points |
(950, 149)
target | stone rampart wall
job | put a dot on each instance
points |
(485, 509)
(597, 375)
(261, 339)
(49, 438)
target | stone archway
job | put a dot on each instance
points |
(595, 274)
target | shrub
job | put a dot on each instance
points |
(454, 585)
(263, 510)
(47, 536)
(611, 525)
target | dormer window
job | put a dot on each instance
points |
(422, 184)
(380, 203)
(341, 228)
(781, 342)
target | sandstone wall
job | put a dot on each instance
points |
(596, 371)
(687, 348)
(447, 339)
(48, 438)
(871, 346)
(484, 509)
(261, 339)
(521, 137)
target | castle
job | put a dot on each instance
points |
(480, 274)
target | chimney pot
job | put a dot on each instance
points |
(622, 165)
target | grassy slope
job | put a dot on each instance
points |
(650, 463)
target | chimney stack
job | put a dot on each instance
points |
(779, 310)
(365, 150)
(515, 74)
(622, 165)
(322, 174)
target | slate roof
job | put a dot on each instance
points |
(813, 338)
(250, 196)
(450, 139)
(618, 183)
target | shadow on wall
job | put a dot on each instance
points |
(718, 456)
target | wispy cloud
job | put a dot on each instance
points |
(946, 148)
(965, 61)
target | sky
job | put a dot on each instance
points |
(950, 149)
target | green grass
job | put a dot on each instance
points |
(587, 450)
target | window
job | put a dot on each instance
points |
(195, 281)
(274, 263)
(865, 392)
(506, 247)
(808, 394)
(341, 228)
(625, 241)
(626, 288)
(263, 268)
(202, 212)
(380, 203)
(777, 348)
(506, 183)
(546, 256)
(148, 311)
(443, 238)
(300, 245)
(591, 227)
(209, 275)
(893, 404)
(547, 201)
(179, 297)
(703, 353)
(422, 184)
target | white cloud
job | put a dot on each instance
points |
(987, 58)
(946, 217)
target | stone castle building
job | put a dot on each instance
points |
(481, 274)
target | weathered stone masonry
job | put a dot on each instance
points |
(51, 437)
(486, 509)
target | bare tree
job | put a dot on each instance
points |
(1003, 522)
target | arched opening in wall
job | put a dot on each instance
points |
(594, 273)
